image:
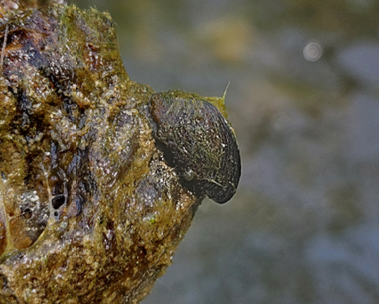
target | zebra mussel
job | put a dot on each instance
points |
(200, 143)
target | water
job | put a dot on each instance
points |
(304, 101)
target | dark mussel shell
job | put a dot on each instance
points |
(201, 142)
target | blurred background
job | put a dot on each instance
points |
(304, 102)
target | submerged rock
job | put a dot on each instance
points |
(92, 205)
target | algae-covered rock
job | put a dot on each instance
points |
(92, 202)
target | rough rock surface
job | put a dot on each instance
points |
(90, 210)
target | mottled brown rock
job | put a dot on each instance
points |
(90, 209)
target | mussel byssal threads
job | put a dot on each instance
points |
(201, 141)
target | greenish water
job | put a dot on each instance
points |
(304, 101)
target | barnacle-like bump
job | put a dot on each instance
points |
(200, 140)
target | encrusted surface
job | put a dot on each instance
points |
(90, 212)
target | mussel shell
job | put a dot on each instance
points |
(201, 141)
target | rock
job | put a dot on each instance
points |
(91, 209)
